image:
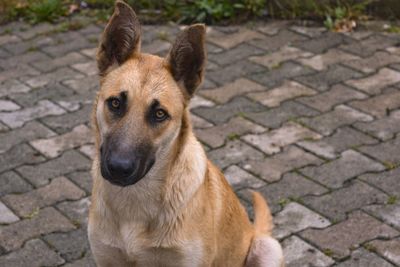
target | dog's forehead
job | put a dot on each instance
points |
(145, 78)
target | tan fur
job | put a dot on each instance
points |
(183, 212)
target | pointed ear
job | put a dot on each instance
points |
(121, 38)
(187, 58)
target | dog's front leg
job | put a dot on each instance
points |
(107, 256)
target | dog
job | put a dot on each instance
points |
(157, 200)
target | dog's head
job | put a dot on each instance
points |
(143, 98)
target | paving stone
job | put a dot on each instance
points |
(323, 61)
(287, 111)
(291, 187)
(76, 211)
(295, 218)
(61, 49)
(299, 253)
(344, 138)
(18, 118)
(32, 130)
(68, 162)
(272, 27)
(367, 47)
(386, 152)
(361, 257)
(272, 168)
(322, 43)
(87, 68)
(199, 123)
(341, 238)
(83, 84)
(53, 77)
(10, 182)
(335, 173)
(228, 41)
(12, 86)
(216, 136)
(226, 92)
(232, 153)
(64, 123)
(341, 116)
(338, 94)
(309, 31)
(282, 38)
(16, 72)
(51, 64)
(31, 45)
(336, 204)
(6, 215)
(86, 261)
(389, 213)
(19, 155)
(158, 47)
(238, 178)
(46, 221)
(234, 71)
(379, 105)
(276, 76)
(59, 189)
(371, 64)
(199, 101)
(273, 141)
(288, 90)
(323, 80)
(52, 92)
(222, 113)
(8, 38)
(71, 245)
(54, 146)
(89, 52)
(83, 179)
(233, 55)
(389, 249)
(387, 181)
(374, 84)
(6, 105)
(88, 150)
(38, 29)
(25, 58)
(34, 253)
(384, 128)
(274, 59)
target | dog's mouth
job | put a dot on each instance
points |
(125, 171)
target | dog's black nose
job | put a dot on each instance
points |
(121, 167)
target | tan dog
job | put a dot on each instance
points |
(157, 200)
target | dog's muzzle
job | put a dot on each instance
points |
(125, 167)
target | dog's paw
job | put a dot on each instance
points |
(265, 251)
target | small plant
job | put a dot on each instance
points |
(45, 10)
(391, 200)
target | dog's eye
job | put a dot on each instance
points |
(160, 115)
(114, 104)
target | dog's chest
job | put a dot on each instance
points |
(152, 250)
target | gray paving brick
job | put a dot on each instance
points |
(322, 81)
(10, 182)
(34, 253)
(362, 257)
(222, 113)
(233, 55)
(275, 117)
(379, 105)
(19, 155)
(371, 64)
(386, 152)
(388, 249)
(47, 65)
(277, 75)
(336, 204)
(275, 42)
(340, 238)
(389, 213)
(233, 72)
(68, 162)
(367, 47)
(76, 211)
(384, 128)
(322, 43)
(387, 181)
(335, 173)
(239, 178)
(45, 221)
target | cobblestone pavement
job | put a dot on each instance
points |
(307, 117)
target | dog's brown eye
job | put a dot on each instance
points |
(115, 103)
(160, 115)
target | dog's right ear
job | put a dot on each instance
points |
(120, 40)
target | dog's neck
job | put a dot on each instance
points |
(166, 190)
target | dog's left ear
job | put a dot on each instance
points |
(187, 58)
(121, 38)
